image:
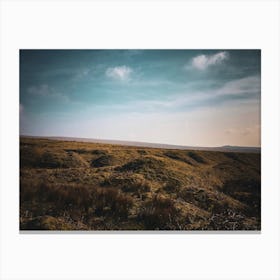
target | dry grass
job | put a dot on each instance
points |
(68, 185)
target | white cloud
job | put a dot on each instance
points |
(247, 85)
(121, 73)
(202, 62)
(238, 92)
(45, 90)
(248, 88)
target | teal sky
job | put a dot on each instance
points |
(185, 97)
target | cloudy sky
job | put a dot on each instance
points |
(184, 97)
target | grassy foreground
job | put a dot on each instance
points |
(68, 185)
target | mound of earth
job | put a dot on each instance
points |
(104, 160)
(129, 182)
(142, 164)
(209, 200)
(40, 158)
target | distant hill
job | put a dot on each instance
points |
(227, 148)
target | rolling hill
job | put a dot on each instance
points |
(71, 184)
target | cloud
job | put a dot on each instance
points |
(235, 93)
(121, 73)
(45, 90)
(41, 90)
(202, 62)
(248, 88)
(247, 85)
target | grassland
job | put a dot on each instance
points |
(67, 185)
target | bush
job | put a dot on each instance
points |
(172, 185)
(78, 199)
(160, 213)
(64, 196)
(112, 202)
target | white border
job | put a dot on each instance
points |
(155, 24)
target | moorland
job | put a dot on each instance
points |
(71, 185)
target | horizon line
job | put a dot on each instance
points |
(141, 142)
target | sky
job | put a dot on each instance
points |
(181, 97)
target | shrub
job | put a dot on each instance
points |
(68, 198)
(63, 196)
(112, 202)
(160, 213)
(172, 185)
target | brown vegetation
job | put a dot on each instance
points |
(68, 185)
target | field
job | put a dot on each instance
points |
(68, 185)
